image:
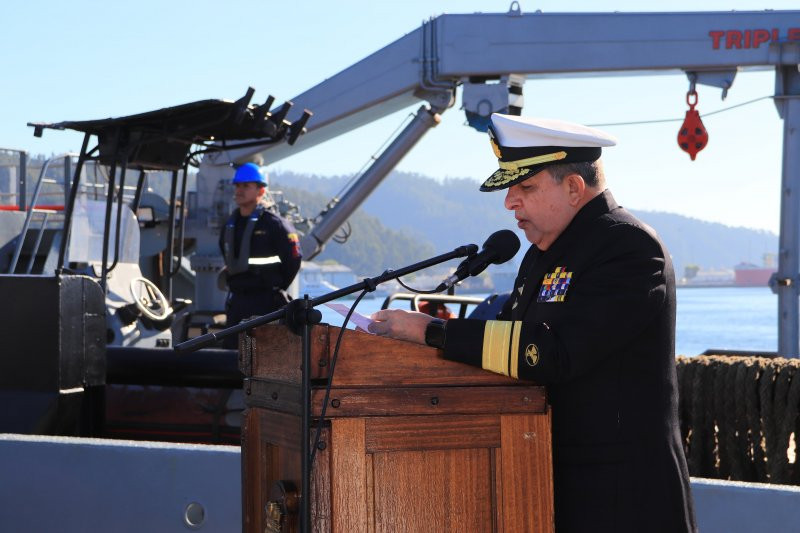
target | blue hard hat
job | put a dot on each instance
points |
(250, 172)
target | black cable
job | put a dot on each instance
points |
(417, 291)
(734, 106)
(343, 234)
(357, 175)
(658, 121)
(330, 374)
(374, 156)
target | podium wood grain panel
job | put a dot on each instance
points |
(321, 510)
(370, 468)
(252, 493)
(414, 444)
(280, 441)
(280, 429)
(384, 362)
(364, 360)
(441, 491)
(431, 433)
(276, 350)
(526, 474)
(269, 454)
(349, 479)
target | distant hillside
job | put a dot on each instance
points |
(446, 214)
(372, 247)
(709, 244)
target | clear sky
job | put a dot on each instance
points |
(85, 59)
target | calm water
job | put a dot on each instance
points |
(727, 318)
(735, 318)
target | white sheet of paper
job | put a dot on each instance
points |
(356, 318)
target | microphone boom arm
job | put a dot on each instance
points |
(368, 283)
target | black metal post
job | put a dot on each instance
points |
(67, 174)
(22, 182)
(119, 215)
(170, 237)
(107, 223)
(182, 223)
(305, 448)
(73, 193)
(137, 196)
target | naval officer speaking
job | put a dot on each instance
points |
(592, 317)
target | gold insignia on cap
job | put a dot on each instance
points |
(538, 160)
(495, 148)
(502, 177)
(511, 171)
(532, 355)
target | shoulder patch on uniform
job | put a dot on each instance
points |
(294, 239)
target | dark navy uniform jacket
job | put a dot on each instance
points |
(262, 256)
(593, 319)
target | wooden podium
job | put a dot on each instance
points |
(411, 442)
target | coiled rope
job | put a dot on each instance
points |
(739, 417)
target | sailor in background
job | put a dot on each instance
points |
(592, 317)
(261, 251)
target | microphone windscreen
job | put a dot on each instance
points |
(504, 243)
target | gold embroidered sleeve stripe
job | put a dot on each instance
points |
(513, 351)
(501, 346)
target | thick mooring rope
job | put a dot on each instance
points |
(739, 417)
(790, 423)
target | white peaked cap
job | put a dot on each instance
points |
(515, 131)
(525, 146)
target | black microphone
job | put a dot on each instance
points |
(499, 247)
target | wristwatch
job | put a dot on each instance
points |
(435, 333)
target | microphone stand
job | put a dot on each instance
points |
(300, 316)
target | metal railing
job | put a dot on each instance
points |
(29, 217)
(416, 299)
